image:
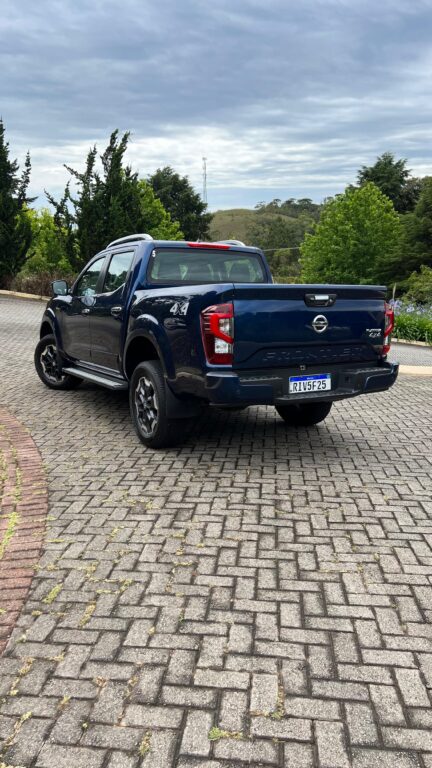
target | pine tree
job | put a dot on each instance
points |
(182, 202)
(417, 244)
(394, 180)
(15, 230)
(108, 204)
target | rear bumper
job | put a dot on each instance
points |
(272, 387)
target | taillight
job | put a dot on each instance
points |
(388, 327)
(217, 326)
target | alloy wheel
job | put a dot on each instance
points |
(146, 405)
(49, 363)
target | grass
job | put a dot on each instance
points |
(144, 747)
(13, 520)
(88, 613)
(216, 733)
(52, 594)
(16, 729)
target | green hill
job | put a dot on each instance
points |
(236, 223)
(232, 224)
(278, 228)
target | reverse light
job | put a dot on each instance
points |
(217, 328)
(388, 327)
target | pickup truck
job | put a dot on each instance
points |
(182, 325)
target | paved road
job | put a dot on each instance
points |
(270, 584)
(411, 354)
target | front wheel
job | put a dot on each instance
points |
(304, 414)
(47, 367)
(148, 407)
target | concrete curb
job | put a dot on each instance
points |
(416, 370)
(414, 343)
(18, 295)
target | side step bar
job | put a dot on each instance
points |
(96, 378)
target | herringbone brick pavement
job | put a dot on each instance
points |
(259, 596)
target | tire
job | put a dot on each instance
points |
(304, 414)
(45, 360)
(148, 407)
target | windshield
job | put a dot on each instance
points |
(205, 266)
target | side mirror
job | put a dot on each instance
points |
(60, 288)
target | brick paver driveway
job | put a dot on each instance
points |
(267, 587)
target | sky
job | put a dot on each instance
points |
(283, 98)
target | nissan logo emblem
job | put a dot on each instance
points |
(320, 323)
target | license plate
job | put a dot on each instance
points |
(316, 383)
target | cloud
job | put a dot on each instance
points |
(283, 98)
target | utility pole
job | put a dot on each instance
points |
(204, 193)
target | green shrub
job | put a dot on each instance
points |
(419, 285)
(413, 327)
(40, 283)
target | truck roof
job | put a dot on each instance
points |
(219, 244)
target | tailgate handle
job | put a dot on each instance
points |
(320, 299)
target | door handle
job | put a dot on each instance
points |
(85, 311)
(116, 311)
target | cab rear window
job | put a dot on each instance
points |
(205, 266)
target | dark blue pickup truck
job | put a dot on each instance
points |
(183, 325)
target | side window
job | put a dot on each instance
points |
(117, 271)
(86, 286)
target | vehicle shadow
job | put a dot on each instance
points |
(255, 430)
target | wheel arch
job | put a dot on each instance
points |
(46, 328)
(140, 349)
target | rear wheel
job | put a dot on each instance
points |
(304, 414)
(148, 407)
(47, 367)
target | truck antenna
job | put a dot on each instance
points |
(204, 193)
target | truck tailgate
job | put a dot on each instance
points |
(274, 324)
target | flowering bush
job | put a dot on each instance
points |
(413, 322)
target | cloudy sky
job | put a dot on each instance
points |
(284, 98)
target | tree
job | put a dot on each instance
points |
(108, 204)
(156, 219)
(358, 233)
(182, 202)
(419, 285)
(275, 232)
(15, 231)
(280, 235)
(417, 242)
(47, 252)
(394, 179)
(284, 265)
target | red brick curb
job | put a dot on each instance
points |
(23, 511)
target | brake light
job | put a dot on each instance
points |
(217, 328)
(209, 245)
(388, 327)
